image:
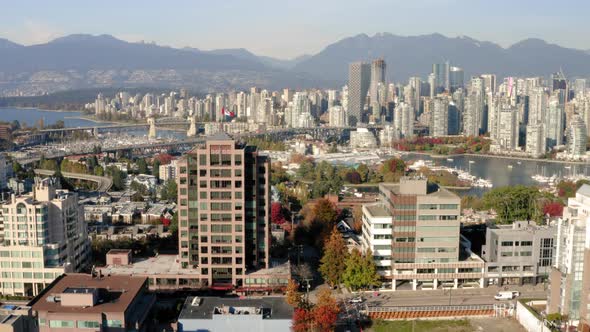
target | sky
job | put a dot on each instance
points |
(289, 28)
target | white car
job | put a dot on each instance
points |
(356, 300)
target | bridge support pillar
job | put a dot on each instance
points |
(456, 285)
(414, 284)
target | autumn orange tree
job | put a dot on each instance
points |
(302, 320)
(293, 296)
(325, 312)
(333, 262)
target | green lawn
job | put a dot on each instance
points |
(460, 325)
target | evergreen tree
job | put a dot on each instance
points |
(333, 262)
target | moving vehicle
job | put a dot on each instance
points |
(506, 295)
(356, 300)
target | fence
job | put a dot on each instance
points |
(530, 321)
(415, 312)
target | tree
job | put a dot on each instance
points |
(277, 213)
(333, 262)
(325, 312)
(360, 272)
(357, 217)
(302, 320)
(363, 171)
(513, 203)
(156, 168)
(293, 296)
(169, 191)
(325, 212)
(553, 209)
(142, 167)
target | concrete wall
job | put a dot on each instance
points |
(528, 320)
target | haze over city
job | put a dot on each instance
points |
(292, 28)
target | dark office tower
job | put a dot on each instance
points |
(559, 83)
(440, 71)
(224, 211)
(359, 76)
(456, 77)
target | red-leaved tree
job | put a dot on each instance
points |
(277, 214)
(553, 209)
(302, 320)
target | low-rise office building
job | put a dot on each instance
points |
(215, 314)
(84, 302)
(519, 253)
(413, 234)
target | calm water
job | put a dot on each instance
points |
(497, 170)
(31, 116)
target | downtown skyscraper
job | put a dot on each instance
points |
(359, 76)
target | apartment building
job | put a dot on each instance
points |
(569, 292)
(224, 211)
(44, 236)
(413, 233)
(85, 302)
(520, 253)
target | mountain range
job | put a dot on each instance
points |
(86, 61)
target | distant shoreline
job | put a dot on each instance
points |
(443, 156)
(39, 109)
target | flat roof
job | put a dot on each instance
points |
(377, 210)
(119, 251)
(277, 307)
(152, 266)
(119, 290)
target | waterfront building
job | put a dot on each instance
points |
(569, 291)
(404, 120)
(338, 116)
(413, 233)
(489, 83)
(507, 138)
(439, 121)
(362, 138)
(538, 101)
(579, 87)
(416, 85)
(86, 302)
(387, 135)
(577, 138)
(535, 140)
(224, 211)
(359, 76)
(44, 236)
(520, 253)
(554, 123)
(377, 81)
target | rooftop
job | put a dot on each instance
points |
(161, 264)
(116, 293)
(272, 308)
(377, 210)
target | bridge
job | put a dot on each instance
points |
(104, 183)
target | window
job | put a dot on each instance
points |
(88, 324)
(506, 254)
(449, 206)
(382, 237)
(42, 322)
(507, 244)
(427, 217)
(56, 324)
(428, 206)
(526, 243)
(526, 253)
(114, 323)
(382, 247)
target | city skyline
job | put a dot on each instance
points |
(288, 35)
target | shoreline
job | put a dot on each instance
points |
(443, 156)
(39, 109)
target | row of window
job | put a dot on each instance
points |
(516, 253)
(516, 243)
(438, 206)
(29, 275)
(24, 254)
(81, 324)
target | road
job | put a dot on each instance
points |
(449, 297)
(104, 183)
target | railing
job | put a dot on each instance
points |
(432, 308)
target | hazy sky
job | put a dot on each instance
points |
(288, 28)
